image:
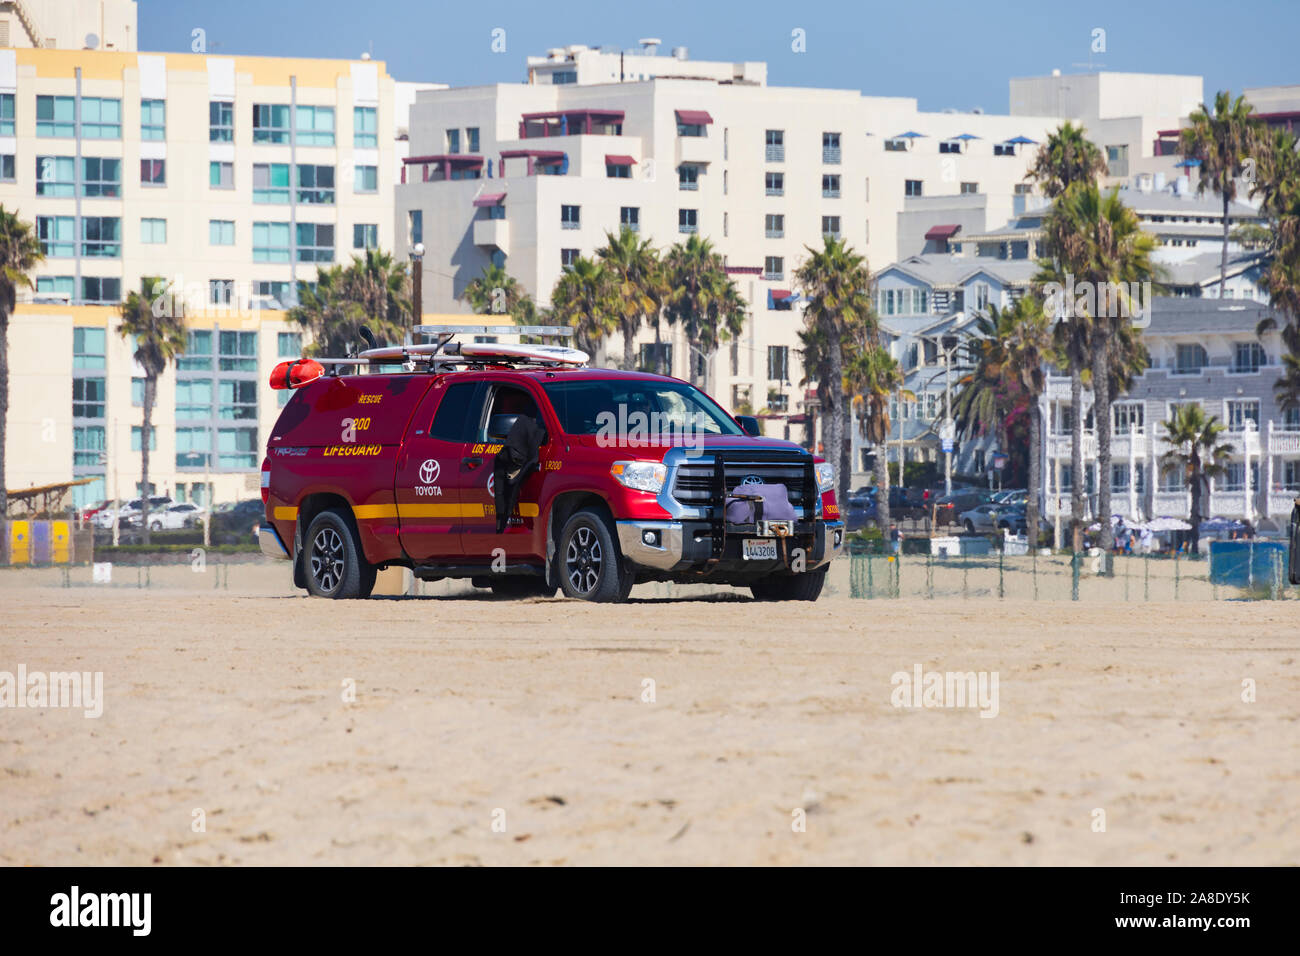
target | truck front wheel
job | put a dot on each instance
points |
(590, 565)
(790, 587)
(334, 564)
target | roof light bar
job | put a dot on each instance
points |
(561, 330)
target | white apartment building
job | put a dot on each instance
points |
(69, 24)
(533, 175)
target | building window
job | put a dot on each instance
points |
(911, 187)
(88, 349)
(775, 146)
(314, 125)
(57, 235)
(831, 226)
(1250, 357)
(270, 242)
(315, 242)
(271, 182)
(101, 289)
(1241, 411)
(895, 145)
(1190, 359)
(471, 139)
(237, 399)
(288, 344)
(453, 141)
(688, 220)
(774, 225)
(271, 123)
(277, 290)
(617, 171)
(690, 129)
(778, 363)
(726, 228)
(198, 352)
(194, 397)
(415, 226)
(560, 77)
(153, 172)
(1291, 474)
(221, 232)
(774, 184)
(101, 177)
(652, 356)
(1127, 416)
(137, 438)
(221, 175)
(194, 445)
(773, 268)
(316, 185)
(688, 176)
(831, 187)
(221, 122)
(221, 291)
(101, 236)
(570, 217)
(101, 118)
(8, 167)
(88, 444)
(1004, 149)
(830, 147)
(568, 257)
(365, 179)
(56, 176)
(365, 235)
(55, 115)
(1023, 189)
(7, 114)
(60, 287)
(365, 127)
(237, 448)
(238, 352)
(88, 398)
(153, 119)
(629, 217)
(969, 188)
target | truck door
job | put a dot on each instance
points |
(479, 537)
(428, 484)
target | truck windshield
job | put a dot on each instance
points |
(643, 408)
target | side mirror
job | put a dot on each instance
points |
(499, 425)
(750, 425)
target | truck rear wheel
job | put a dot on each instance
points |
(790, 587)
(590, 565)
(332, 559)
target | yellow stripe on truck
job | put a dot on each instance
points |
(462, 510)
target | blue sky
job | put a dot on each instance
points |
(946, 53)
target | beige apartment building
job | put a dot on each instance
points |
(233, 179)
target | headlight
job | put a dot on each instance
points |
(640, 475)
(825, 476)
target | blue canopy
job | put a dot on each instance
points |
(966, 136)
(910, 135)
(1021, 140)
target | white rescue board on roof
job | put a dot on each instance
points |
(484, 351)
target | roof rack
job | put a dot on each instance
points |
(441, 354)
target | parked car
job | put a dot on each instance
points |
(178, 516)
(1014, 519)
(129, 514)
(858, 513)
(1011, 496)
(947, 510)
(982, 519)
(240, 519)
(903, 502)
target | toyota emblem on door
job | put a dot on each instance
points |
(429, 471)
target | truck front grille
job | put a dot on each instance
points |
(706, 483)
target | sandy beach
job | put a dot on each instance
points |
(490, 732)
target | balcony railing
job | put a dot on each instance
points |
(775, 190)
(775, 154)
(831, 155)
(775, 233)
(830, 194)
(688, 228)
(570, 224)
(685, 184)
(773, 276)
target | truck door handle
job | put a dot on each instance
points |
(471, 461)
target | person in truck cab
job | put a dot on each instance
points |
(614, 478)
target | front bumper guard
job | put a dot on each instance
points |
(663, 545)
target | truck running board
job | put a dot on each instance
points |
(432, 572)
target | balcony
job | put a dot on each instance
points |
(1058, 446)
(830, 193)
(696, 150)
(831, 155)
(774, 233)
(492, 234)
(773, 276)
(774, 191)
(775, 154)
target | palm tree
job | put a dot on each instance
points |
(1195, 449)
(639, 286)
(584, 298)
(872, 377)
(20, 250)
(381, 286)
(1099, 242)
(496, 292)
(1222, 141)
(985, 394)
(701, 297)
(1029, 347)
(1066, 158)
(837, 284)
(332, 320)
(159, 336)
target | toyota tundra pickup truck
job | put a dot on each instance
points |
(396, 468)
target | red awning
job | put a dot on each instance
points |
(943, 232)
(694, 117)
(489, 199)
(780, 294)
(612, 159)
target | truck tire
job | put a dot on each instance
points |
(790, 587)
(332, 559)
(589, 563)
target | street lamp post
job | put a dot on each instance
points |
(417, 286)
(947, 346)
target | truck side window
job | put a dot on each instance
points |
(452, 421)
(507, 400)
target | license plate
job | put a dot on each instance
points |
(756, 549)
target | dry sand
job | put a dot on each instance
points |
(230, 701)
